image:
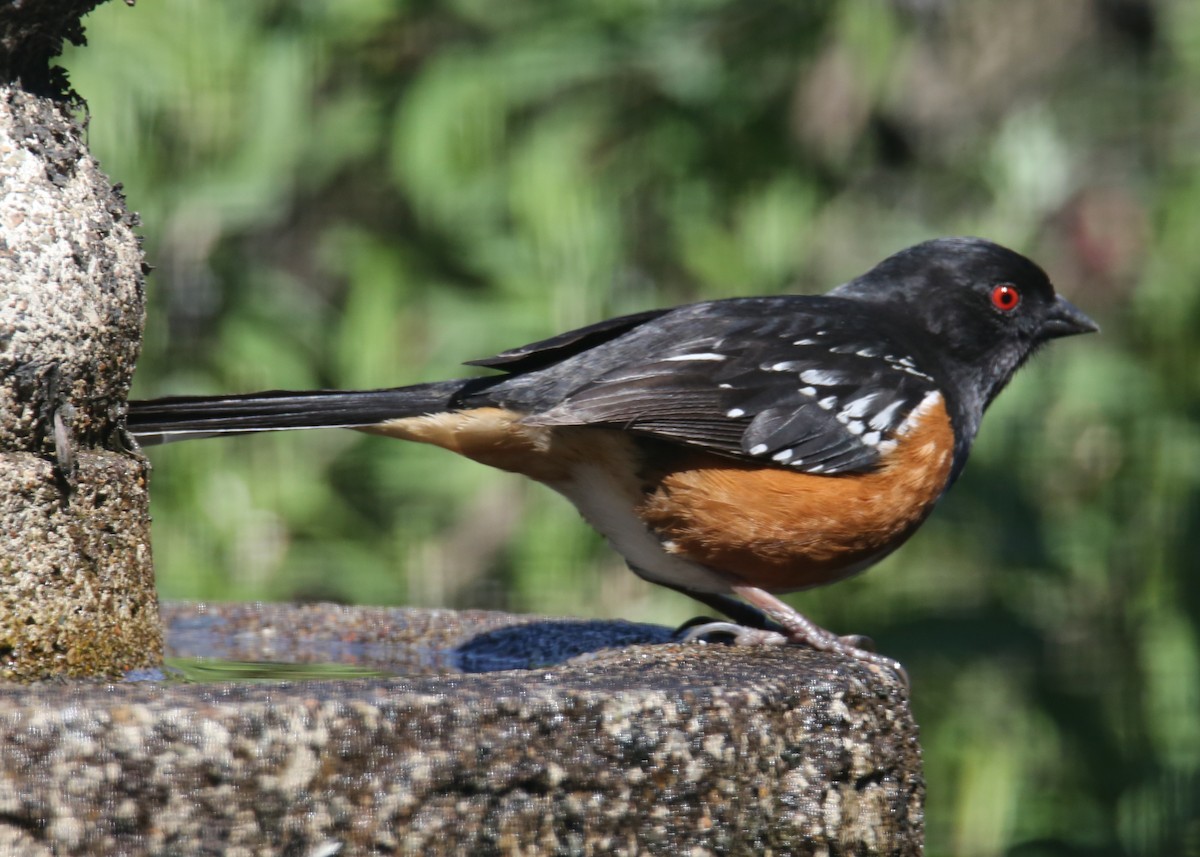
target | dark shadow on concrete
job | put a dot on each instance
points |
(551, 642)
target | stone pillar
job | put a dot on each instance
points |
(77, 591)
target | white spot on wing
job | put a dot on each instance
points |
(808, 391)
(855, 427)
(724, 386)
(828, 403)
(734, 413)
(782, 456)
(883, 420)
(758, 449)
(871, 438)
(783, 366)
(805, 342)
(859, 407)
(699, 355)
(906, 364)
(819, 377)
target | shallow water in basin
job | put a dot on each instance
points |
(196, 670)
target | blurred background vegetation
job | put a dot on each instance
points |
(363, 194)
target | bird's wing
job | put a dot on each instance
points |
(804, 384)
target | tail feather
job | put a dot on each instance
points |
(179, 418)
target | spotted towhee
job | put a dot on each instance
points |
(732, 447)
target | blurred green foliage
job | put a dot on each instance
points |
(364, 194)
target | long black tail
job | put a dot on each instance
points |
(180, 418)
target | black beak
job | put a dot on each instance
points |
(1066, 319)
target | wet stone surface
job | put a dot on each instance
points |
(655, 748)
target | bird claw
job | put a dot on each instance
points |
(859, 641)
(707, 631)
(851, 646)
(730, 632)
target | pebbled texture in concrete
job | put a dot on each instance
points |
(647, 749)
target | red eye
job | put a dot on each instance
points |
(1005, 298)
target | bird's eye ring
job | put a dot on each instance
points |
(1005, 297)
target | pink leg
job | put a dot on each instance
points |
(801, 629)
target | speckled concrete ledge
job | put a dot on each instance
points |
(658, 749)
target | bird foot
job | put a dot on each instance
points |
(728, 632)
(800, 629)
